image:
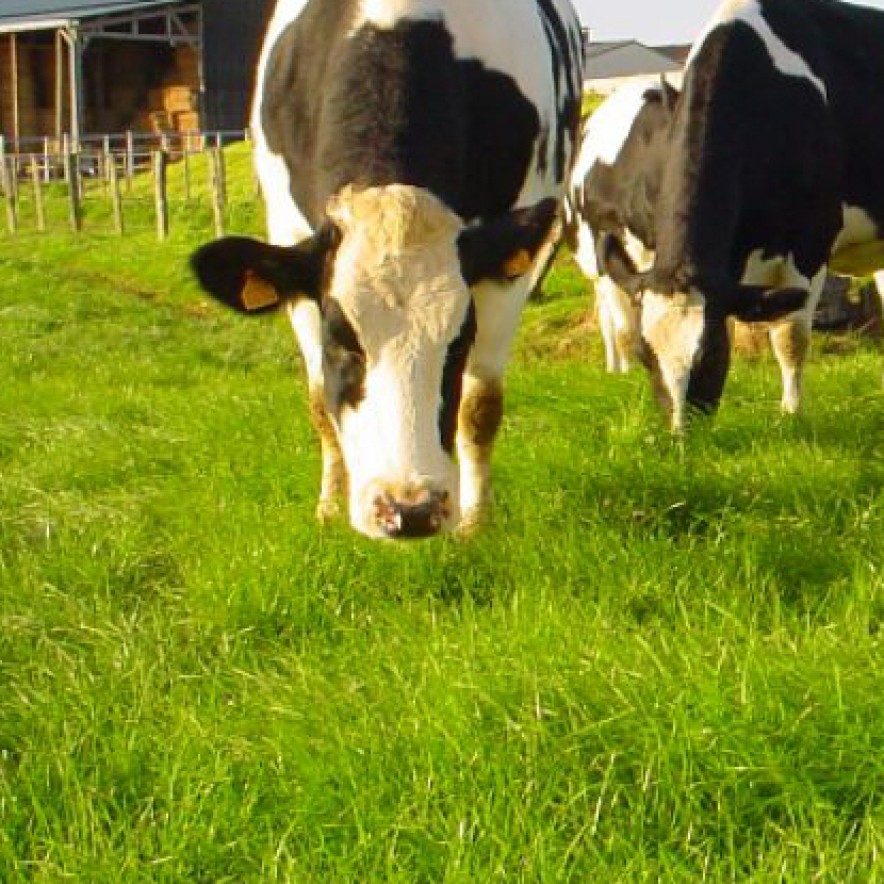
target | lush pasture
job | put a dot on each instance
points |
(662, 662)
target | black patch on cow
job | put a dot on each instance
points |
(493, 250)
(711, 364)
(390, 106)
(568, 90)
(754, 164)
(452, 379)
(343, 360)
(223, 267)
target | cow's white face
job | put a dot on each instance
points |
(672, 329)
(398, 293)
(380, 298)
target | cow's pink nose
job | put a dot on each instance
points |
(414, 516)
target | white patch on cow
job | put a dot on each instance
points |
(879, 285)
(602, 140)
(585, 253)
(672, 325)
(286, 224)
(386, 14)
(498, 311)
(857, 227)
(760, 269)
(618, 312)
(749, 12)
(858, 249)
(609, 126)
(397, 279)
(789, 336)
(307, 325)
(619, 323)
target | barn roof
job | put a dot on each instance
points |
(22, 15)
(625, 58)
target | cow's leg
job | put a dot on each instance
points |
(286, 226)
(790, 339)
(498, 309)
(608, 325)
(624, 324)
(479, 419)
(879, 284)
(306, 323)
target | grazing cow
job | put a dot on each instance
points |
(413, 156)
(774, 172)
(614, 189)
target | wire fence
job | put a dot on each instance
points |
(117, 181)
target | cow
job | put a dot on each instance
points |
(413, 156)
(774, 173)
(614, 189)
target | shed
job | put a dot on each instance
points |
(80, 67)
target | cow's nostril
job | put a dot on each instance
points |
(407, 520)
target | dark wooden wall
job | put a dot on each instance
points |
(232, 31)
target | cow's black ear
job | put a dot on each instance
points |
(752, 303)
(254, 277)
(614, 261)
(506, 247)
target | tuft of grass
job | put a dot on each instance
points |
(661, 662)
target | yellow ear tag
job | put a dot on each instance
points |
(257, 293)
(518, 264)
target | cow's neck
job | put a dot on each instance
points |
(698, 211)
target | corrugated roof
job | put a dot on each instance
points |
(18, 14)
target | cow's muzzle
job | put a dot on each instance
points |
(412, 515)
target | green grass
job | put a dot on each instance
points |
(662, 662)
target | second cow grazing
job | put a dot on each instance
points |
(614, 190)
(774, 174)
(413, 155)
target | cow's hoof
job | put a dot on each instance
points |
(329, 511)
(473, 520)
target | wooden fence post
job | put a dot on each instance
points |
(105, 164)
(160, 163)
(13, 177)
(37, 182)
(185, 166)
(116, 198)
(72, 175)
(222, 173)
(216, 165)
(9, 194)
(130, 159)
(65, 152)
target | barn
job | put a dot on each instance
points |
(610, 64)
(85, 67)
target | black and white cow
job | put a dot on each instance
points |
(774, 172)
(614, 189)
(413, 156)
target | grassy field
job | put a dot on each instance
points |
(662, 662)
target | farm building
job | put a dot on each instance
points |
(80, 67)
(610, 64)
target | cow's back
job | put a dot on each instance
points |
(440, 95)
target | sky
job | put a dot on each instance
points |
(653, 22)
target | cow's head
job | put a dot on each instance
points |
(685, 343)
(391, 273)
